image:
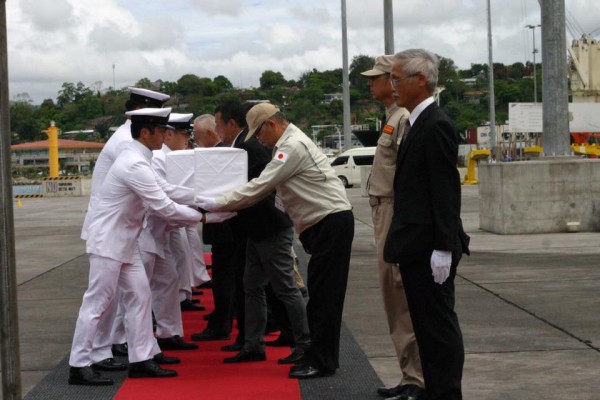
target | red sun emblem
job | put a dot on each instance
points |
(280, 156)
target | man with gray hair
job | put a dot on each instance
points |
(426, 239)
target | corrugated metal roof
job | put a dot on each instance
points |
(62, 143)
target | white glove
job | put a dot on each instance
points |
(216, 217)
(440, 265)
(206, 203)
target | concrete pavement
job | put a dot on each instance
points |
(528, 304)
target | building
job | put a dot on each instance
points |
(74, 156)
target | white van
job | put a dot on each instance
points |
(348, 164)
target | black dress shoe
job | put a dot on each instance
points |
(209, 334)
(149, 369)
(409, 392)
(282, 341)
(389, 392)
(246, 356)
(197, 292)
(87, 376)
(296, 356)
(308, 372)
(187, 305)
(120, 350)
(175, 343)
(109, 364)
(160, 358)
(235, 346)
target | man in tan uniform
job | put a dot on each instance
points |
(315, 199)
(381, 192)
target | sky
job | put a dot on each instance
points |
(56, 41)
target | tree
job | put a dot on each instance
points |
(66, 95)
(23, 121)
(189, 84)
(222, 84)
(360, 64)
(144, 83)
(270, 79)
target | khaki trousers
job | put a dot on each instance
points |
(394, 298)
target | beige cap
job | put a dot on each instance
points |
(257, 115)
(383, 65)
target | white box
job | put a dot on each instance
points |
(219, 170)
(180, 166)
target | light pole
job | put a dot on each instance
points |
(532, 27)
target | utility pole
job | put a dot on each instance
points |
(491, 94)
(114, 85)
(556, 136)
(532, 27)
(346, 82)
(388, 26)
(9, 322)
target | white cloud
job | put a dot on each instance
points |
(56, 41)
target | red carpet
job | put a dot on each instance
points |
(203, 375)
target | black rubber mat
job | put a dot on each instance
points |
(55, 386)
(355, 379)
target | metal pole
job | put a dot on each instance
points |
(532, 27)
(491, 95)
(9, 322)
(388, 26)
(346, 82)
(114, 84)
(556, 136)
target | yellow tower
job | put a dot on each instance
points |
(52, 133)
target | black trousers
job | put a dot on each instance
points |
(329, 243)
(436, 326)
(223, 279)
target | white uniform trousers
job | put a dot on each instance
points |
(180, 250)
(199, 275)
(95, 314)
(117, 334)
(164, 285)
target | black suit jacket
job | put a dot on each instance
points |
(426, 190)
(262, 219)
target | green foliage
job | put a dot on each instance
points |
(302, 100)
(271, 79)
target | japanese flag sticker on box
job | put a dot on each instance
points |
(219, 170)
(180, 166)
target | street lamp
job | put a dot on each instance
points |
(532, 27)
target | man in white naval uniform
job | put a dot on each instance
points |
(130, 187)
(138, 98)
(157, 255)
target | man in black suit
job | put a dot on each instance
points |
(424, 236)
(223, 248)
(264, 235)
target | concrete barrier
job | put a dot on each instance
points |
(545, 196)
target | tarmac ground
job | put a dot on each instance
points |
(528, 304)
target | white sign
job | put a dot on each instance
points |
(528, 117)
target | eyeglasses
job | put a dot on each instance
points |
(257, 131)
(396, 81)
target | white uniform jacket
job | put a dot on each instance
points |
(106, 159)
(154, 236)
(130, 188)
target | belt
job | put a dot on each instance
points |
(377, 200)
